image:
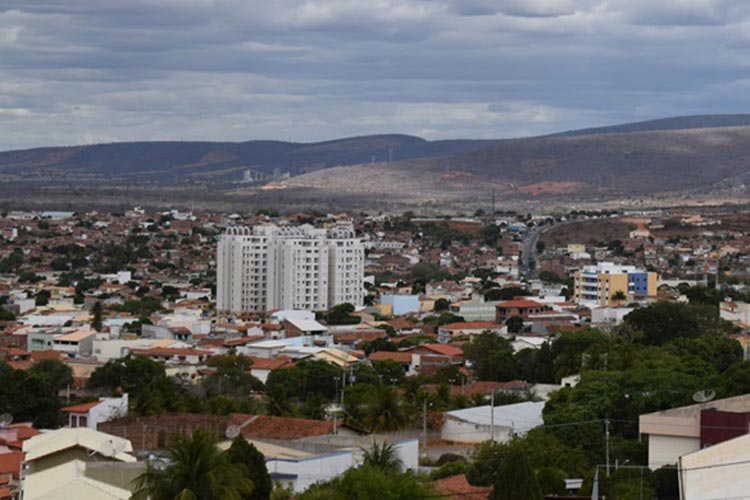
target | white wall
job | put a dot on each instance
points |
(666, 450)
(325, 467)
(460, 431)
(720, 471)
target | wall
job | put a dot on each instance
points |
(402, 304)
(461, 431)
(666, 450)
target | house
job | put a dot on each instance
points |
(262, 367)
(91, 414)
(527, 342)
(469, 329)
(679, 431)
(174, 355)
(302, 327)
(719, 471)
(80, 343)
(518, 307)
(78, 463)
(498, 423)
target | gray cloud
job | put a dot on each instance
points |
(79, 71)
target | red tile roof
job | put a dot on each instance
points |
(270, 364)
(520, 303)
(81, 408)
(457, 487)
(242, 340)
(282, 428)
(472, 325)
(170, 351)
(10, 463)
(398, 356)
(445, 349)
(46, 354)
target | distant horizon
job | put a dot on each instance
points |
(382, 134)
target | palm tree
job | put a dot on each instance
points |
(382, 456)
(195, 469)
(619, 297)
(384, 411)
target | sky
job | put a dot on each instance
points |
(88, 71)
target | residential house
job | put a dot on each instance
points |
(92, 414)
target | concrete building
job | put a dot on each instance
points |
(719, 471)
(78, 463)
(599, 284)
(284, 267)
(481, 423)
(679, 431)
(92, 414)
(401, 304)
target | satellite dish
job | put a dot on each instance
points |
(704, 396)
(5, 420)
(232, 431)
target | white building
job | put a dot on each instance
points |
(719, 471)
(284, 267)
(92, 414)
(481, 423)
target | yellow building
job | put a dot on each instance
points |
(609, 285)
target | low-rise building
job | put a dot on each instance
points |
(499, 423)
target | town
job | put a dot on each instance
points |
(487, 355)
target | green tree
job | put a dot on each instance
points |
(507, 293)
(382, 456)
(659, 323)
(491, 357)
(230, 377)
(28, 398)
(195, 469)
(516, 479)
(96, 320)
(370, 483)
(514, 324)
(384, 410)
(53, 373)
(441, 305)
(247, 456)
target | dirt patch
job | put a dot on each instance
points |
(588, 232)
(551, 187)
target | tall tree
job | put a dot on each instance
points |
(96, 320)
(516, 479)
(247, 456)
(195, 469)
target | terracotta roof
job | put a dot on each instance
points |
(24, 430)
(445, 349)
(242, 340)
(81, 408)
(457, 487)
(270, 364)
(520, 303)
(10, 463)
(46, 354)
(398, 356)
(171, 351)
(472, 325)
(282, 428)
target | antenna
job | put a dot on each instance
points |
(704, 396)
(5, 420)
(232, 431)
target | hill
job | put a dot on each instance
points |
(612, 164)
(683, 157)
(674, 123)
(169, 160)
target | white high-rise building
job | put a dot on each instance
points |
(289, 267)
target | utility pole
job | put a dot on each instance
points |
(424, 427)
(492, 416)
(606, 442)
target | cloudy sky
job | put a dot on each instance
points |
(83, 71)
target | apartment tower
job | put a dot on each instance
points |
(289, 267)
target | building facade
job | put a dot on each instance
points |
(600, 284)
(287, 267)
